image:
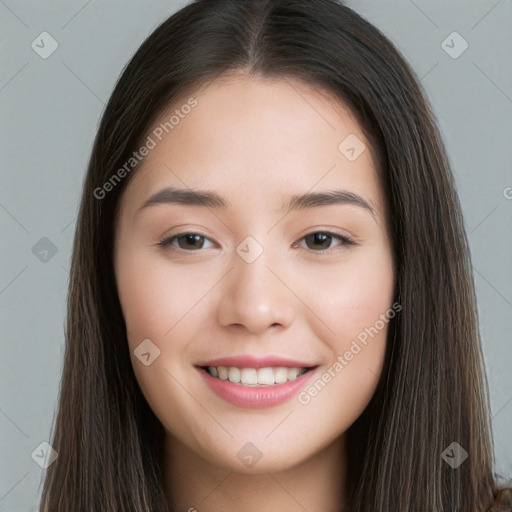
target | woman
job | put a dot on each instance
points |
(216, 359)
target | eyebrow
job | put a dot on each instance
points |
(210, 199)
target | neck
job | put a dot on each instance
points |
(195, 484)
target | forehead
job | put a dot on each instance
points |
(249, 136)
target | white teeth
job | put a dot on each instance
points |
(223, 372)
(293, 373)
(266, 376)
(234, 374)
(280, 375)
(249, 376)
(256, 376)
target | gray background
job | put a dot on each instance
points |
(50, 109)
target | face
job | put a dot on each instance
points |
(288, 300)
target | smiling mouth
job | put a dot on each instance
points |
(256, 377)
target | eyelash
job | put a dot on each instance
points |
(166, 242)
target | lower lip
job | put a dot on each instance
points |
(256, 397)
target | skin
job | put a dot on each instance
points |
(255, 141)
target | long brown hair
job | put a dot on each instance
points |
(432, 391)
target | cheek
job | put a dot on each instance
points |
(154, 298)
(143, 302)
(168, 306)
(158, 304)
(353, 296)
(355, 307)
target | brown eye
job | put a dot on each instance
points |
(185, 241)
(320, 241)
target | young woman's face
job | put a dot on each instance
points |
(274, 284)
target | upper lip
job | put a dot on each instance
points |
(252, 361)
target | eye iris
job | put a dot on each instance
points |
(320, 238)
(191, 238)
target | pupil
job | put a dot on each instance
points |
(322, 238)
(192, 238)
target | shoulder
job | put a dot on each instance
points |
(502, 501)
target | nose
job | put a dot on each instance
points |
(256, 296)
